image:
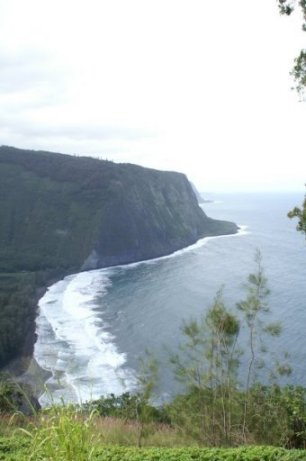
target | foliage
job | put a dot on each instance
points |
(207, 366)
(189, 454)
(252, 308)
(216, 409)
(17, 293)
(146, 383)
(11, 395)
(200, 454)
(288, 6)
(299, 213)
(61, 214)
(56, 209)
(278, 415)
(299, 70)
(13, 448)
(118, 406)
(124, 406)
(135, 407)
(62, 434)
(275, 416)
(16, 448)
(16, 398)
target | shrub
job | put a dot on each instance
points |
(61, 434)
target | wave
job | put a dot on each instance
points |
(242, 230)
(74, 343)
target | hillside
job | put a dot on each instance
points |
(69, 212)
(62, 214)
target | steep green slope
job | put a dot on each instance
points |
(60, 214)
(59, 211)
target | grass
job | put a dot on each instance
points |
(64, 433)
(113, 431)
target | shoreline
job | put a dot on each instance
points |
(200, 242)
(25, 368)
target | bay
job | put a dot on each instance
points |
(94, 326)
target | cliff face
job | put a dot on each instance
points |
(72, 213)
(61, 214)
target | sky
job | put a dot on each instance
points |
(196, 86)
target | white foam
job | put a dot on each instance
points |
(73, 343)
(242, 230)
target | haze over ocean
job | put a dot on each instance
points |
(94, 326)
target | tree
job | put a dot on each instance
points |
(299, 213)
(288, 6)
(146, 378)
(298, 72)
(252, 308)
(224, 393)
(208, 366)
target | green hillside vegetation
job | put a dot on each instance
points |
(16, 313)
(109, 429)
(19, 293)
(232, 405)
(61, 214)
(57, 209)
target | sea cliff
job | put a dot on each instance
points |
(60, 211)
(61, 214)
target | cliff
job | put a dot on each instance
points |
(60, 214)
(60, 211)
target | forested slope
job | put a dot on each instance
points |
(61, 214)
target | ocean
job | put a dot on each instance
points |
(93, 327)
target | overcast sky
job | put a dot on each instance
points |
(197, 86)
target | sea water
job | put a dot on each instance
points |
(93, 327)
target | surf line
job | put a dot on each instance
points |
(70, 342)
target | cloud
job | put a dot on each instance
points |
(173, 85)
(25, 69)
(71, 137)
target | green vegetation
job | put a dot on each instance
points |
(57, 209)
(56, 215)
(287, 7)
(61, 214)
(13, 448)
(299, 213)
(200, 454)
(17, 294)
(225, 402)
(61, 434)
(16, 449)
(16, 397)
(253, 307)
(207, 365)
(70, 433)
(214, 410)
(217, 409)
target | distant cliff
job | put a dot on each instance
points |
(60, 211)
(60, 214)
